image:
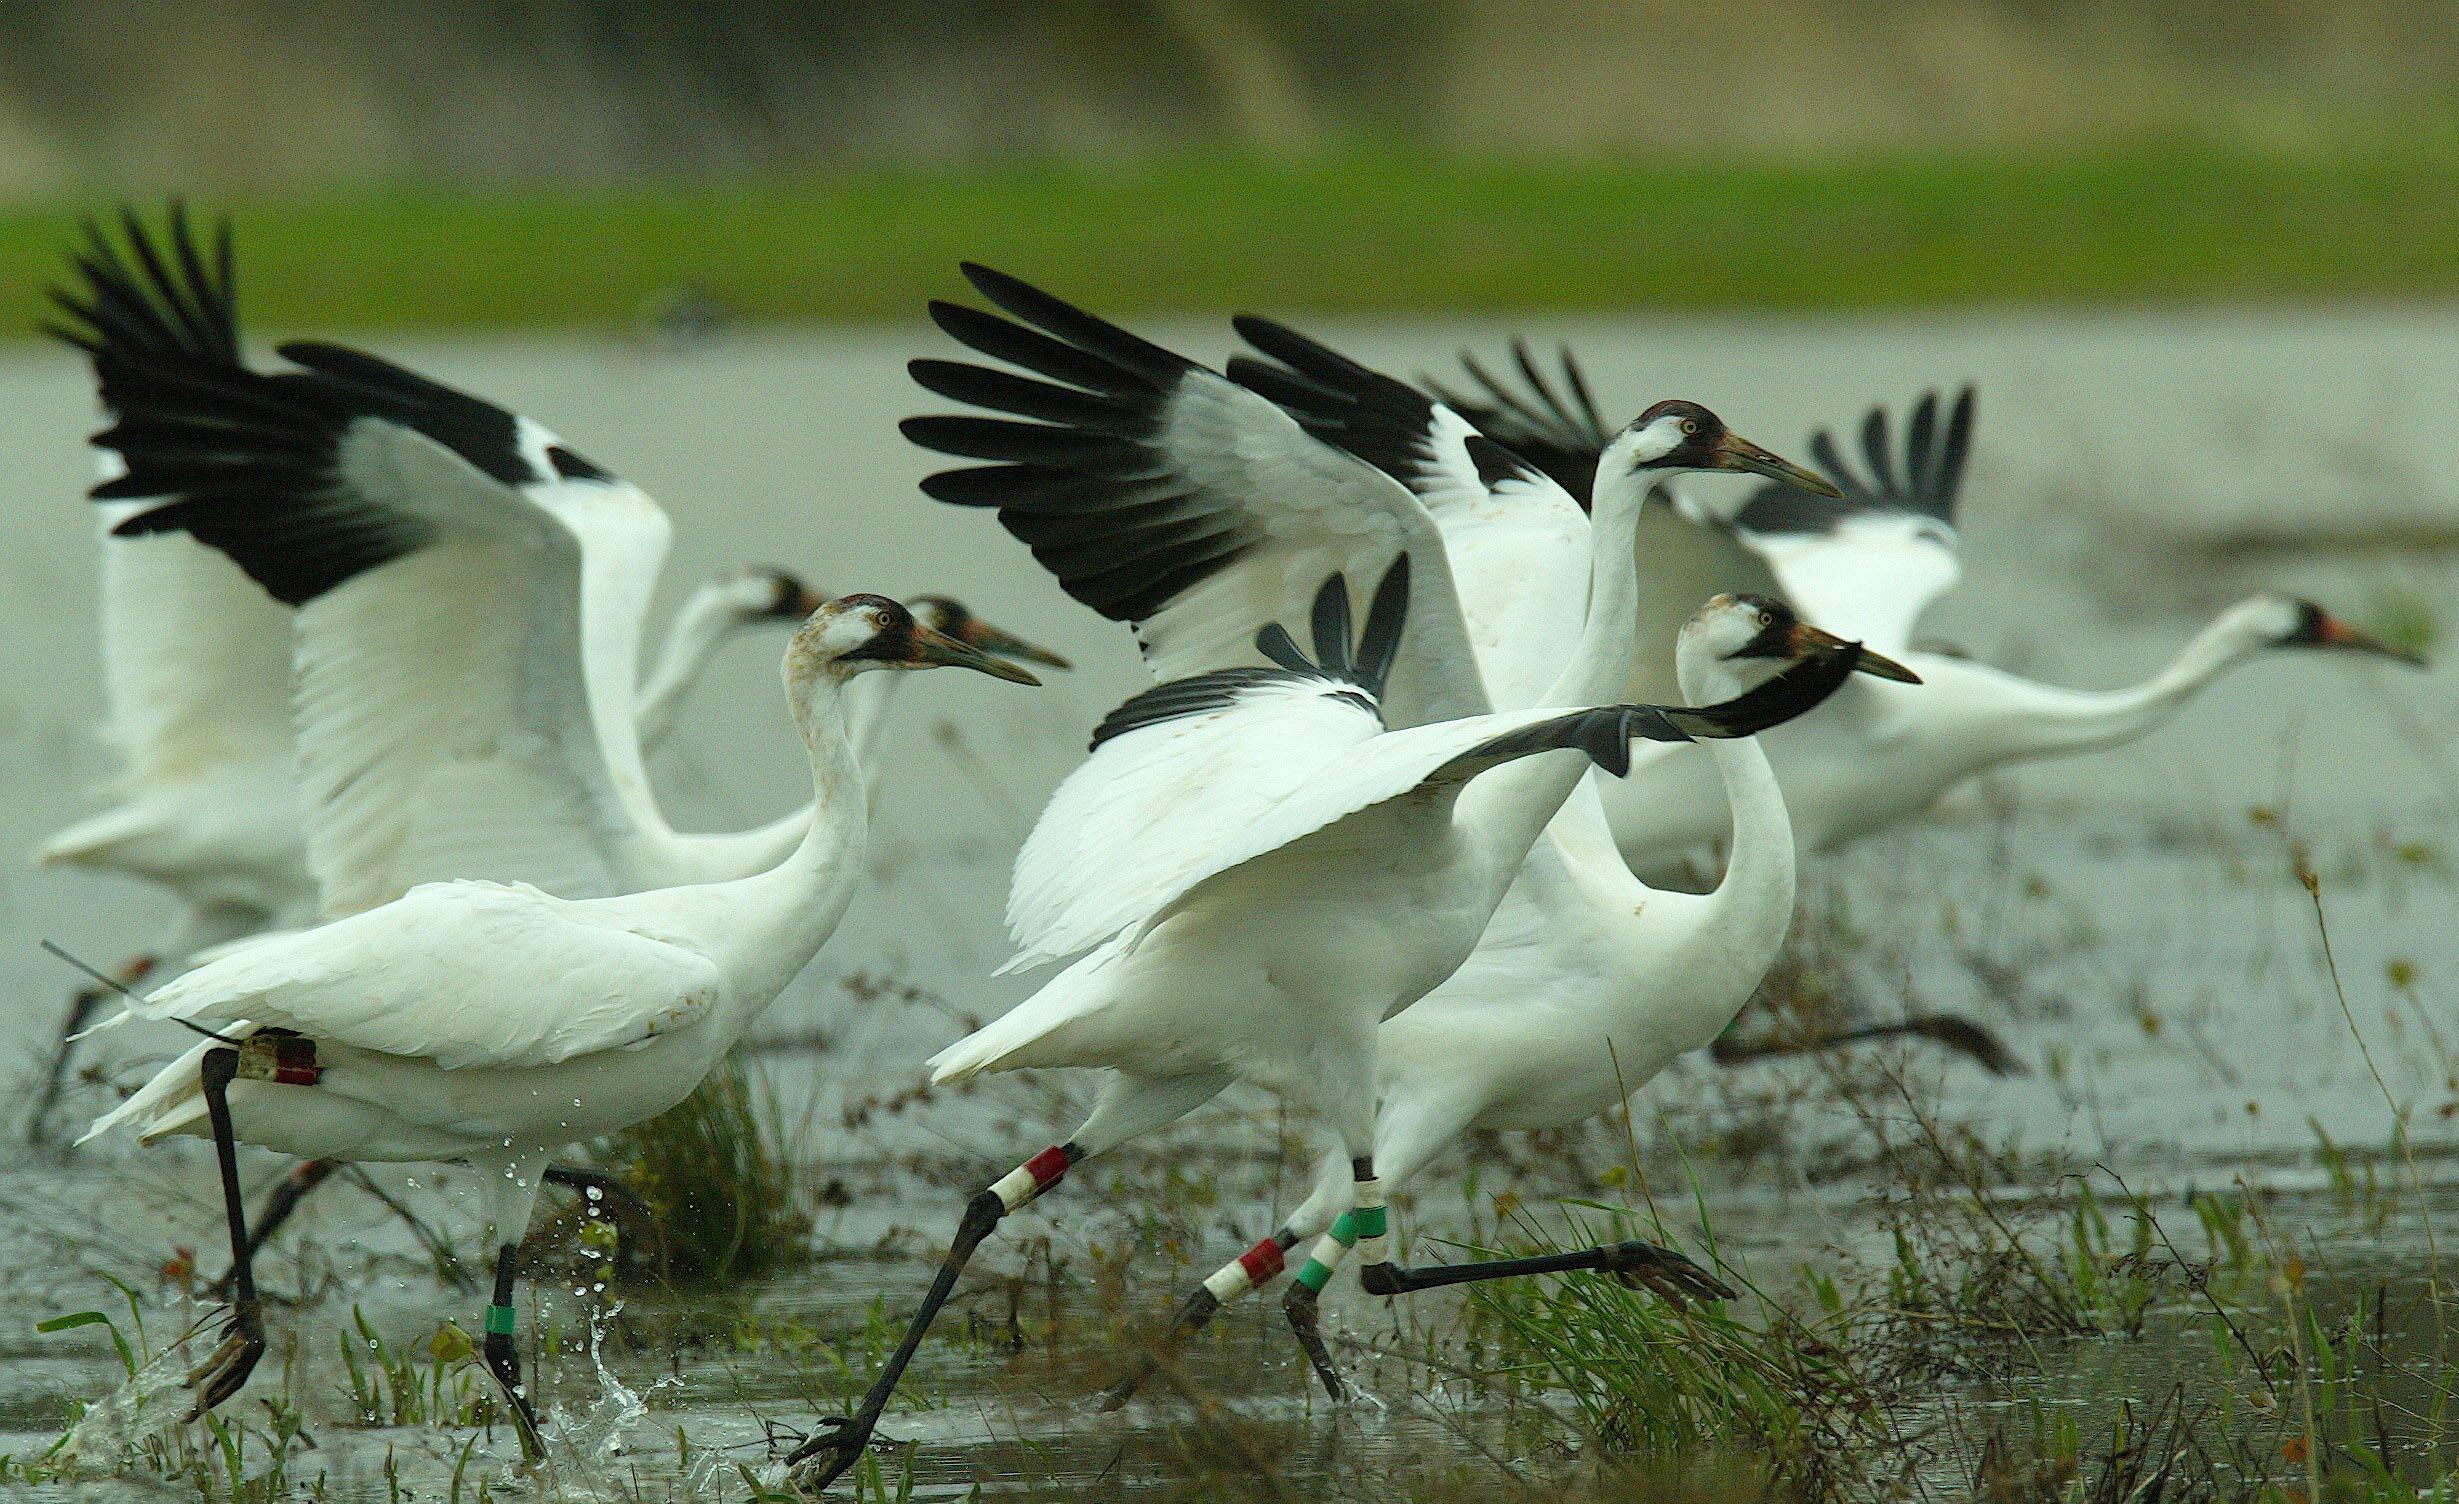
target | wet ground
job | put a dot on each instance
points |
(2130, 922)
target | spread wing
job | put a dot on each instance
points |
(466, 974)
(469, 597)
(1871, 564)
(1558, 431)
(196, 660)
(1518, 542)
(1163, 494)
(1241, 768)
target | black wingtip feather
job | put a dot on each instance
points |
(1926, 476)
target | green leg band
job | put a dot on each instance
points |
(502, 1321)
(1369, 1223)
(1317, 1271)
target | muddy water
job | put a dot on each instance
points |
(2129, 921)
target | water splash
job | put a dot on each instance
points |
(588, 1450)
(141, 1418)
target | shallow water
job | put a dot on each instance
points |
(2128, 921)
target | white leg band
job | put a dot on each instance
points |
(1229, 1282)
(1375, 1246)
(1016, 1187)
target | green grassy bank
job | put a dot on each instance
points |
(2154, 223)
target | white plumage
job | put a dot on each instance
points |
(495, 1023)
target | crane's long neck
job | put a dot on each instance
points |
(699, 629)
(1600, 662)
(775, 921)
(2044, 721)
(1754, 899)
(1506, 810)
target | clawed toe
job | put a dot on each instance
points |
(826, 1454)
(224, 1370)
(1666, 1272)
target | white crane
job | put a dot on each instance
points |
(495, 1024)
(1587, 983)
(1261, 863)
(1871, 567)
(469, 597)
(197, 660)
(717, 610)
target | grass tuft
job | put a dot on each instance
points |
(713, 1170)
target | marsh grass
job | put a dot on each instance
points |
(719, 1175)
(1771, 1403)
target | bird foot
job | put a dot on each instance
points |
(1309, 1332)
(1669, 1274)
(227, 1367)
(828, 1453)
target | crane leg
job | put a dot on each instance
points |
(841, 1440)
(1949, 1031)
(81, 1006)
(1251, 1270)
(229, 1364)
(504, 1356)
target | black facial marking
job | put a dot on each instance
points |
(1702, 433)
(894, 641)
(949, 616)
(1774, 638)
(2311, 628)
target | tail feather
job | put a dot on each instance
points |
(1066, 1000)
(173, 1100)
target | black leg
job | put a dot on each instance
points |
(504, 1358)
(293, 1188)
(229, 1364)
(1949, 1031)
(1300, 1304)
(840, 1440)
(81, 1007)
(1660, 1269)
(1251, 1270)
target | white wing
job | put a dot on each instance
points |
(464, 974)
(1150, 813)
(196, 661)
(1869, 566)
(1163, 494)
(1195, 777)
(470, 595)
(1518, 542)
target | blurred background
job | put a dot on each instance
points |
(2199, 258)
(806, 162)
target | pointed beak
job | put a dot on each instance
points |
(1733, 452)
(1006, 644)
(2329, 631)
(1808, 640)
(937, 650)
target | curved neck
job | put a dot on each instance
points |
(1761, 869)
(776, 920)
(697, 632)
(2038, 720)
(1601, 662)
